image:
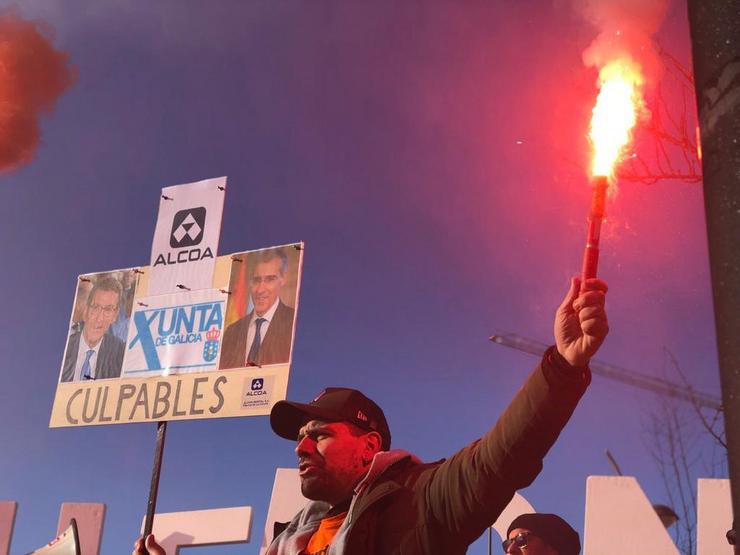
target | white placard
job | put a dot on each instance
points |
(174, 334)
(186, 237)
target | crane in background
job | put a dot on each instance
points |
(629, 377)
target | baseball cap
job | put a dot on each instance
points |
(555, 532)
(333, 404)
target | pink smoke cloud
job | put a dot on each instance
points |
(626, 29)
(33, 75)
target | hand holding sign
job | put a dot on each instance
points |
(147, 547)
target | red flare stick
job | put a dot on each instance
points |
(591, 252)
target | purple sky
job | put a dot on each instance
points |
(432, 157)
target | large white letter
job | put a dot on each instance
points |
(713, 517)
(285, 502)
(620, 519)
(7, 521)
(207, 527)
(89, 518)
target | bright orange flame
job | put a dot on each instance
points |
(615, 113)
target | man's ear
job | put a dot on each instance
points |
(373, 442)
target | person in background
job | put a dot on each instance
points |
(541, 534)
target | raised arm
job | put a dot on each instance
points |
(467, 492)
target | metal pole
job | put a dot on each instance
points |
(715, 28)
(151, 505)
(613, 462)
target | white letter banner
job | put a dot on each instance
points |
(186, 237)
(174, 334)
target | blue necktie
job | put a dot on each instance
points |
(254, 350)
(85, 373)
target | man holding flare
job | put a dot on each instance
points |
(368, 499)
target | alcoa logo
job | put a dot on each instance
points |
(257, 388)
(187, 231)
(187, 227)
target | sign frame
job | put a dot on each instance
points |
(236, 392)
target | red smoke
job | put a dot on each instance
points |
(33, 75)
(626, 30)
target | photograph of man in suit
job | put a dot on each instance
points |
(264, 335)
(93, 352)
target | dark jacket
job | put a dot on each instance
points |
(405, 507)
(110, 357)
(274, 347)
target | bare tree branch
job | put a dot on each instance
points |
(675, 437)
(667, 132)
(708, 426)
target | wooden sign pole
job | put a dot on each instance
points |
(151, 505)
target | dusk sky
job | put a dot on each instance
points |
(432, 156)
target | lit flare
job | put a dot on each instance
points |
(614, 117)
(615, 113)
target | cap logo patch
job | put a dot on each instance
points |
(361, 416)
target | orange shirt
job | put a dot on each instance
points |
(322, 538)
